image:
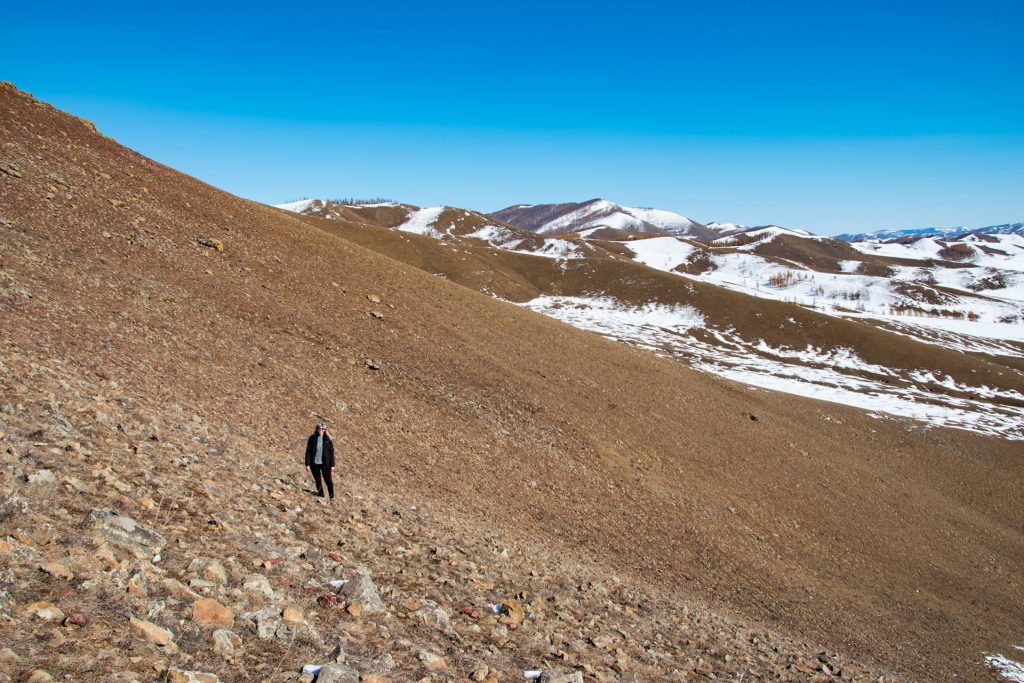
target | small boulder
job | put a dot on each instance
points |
(58, 570)
(126, 533)
(175, 675)
(42, 478)
(293, 616)
(363, 591)
(216, 573)
(258, 585)
(46, 611)
(338, 673)
(225, 642)
(431, 661)
(153, 633)
(209, 612)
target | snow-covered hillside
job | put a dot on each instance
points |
(979, 249)
(557, 219)
(447, 223)
(932, 295)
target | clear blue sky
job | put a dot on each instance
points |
(824, 115)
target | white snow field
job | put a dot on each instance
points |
(839, 376)
(956, 321)
(603, 213)
(421, 221)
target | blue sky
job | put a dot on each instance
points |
(828, 116)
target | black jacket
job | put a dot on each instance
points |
(328, 454)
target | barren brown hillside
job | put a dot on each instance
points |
(167, 348)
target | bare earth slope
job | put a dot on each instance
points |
(175, 383)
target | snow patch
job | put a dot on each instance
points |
(421, 222)
(834, 375)
(663, 253)
(1007, 668)
(299, 206)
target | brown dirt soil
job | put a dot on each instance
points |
(898, 547)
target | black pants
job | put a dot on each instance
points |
(317, 471)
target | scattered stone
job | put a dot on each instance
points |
(216, 573)
(153, 633)
(5, 547)
(58, 570)
(431, 661)
(293, 616)
(377, 314)
(257, 584)
(46, 611)
(105, 556)
(41, 478)
(11, 170)
(382, 663)
(429, 612)
(267, 621)
(39, 676)
(363, 591)
(372, 364)
(562, 676)
(513, 613)
(180, 590)
(126, 533)
(209, 612)
(138, 585)
(225, 642)
(337, 673)
(373, 298)
(179, 676)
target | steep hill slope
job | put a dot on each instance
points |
(167, 347)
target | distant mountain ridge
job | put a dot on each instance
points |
(600, 216)
(883, 235)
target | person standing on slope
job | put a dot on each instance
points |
(320, 459)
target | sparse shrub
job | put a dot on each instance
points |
(956, 252)
(874, 269)
(739, 240)
(994, 279)
(788, 278)
(698, 262)
(925, 276)
(922, 293)
(352, 201)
